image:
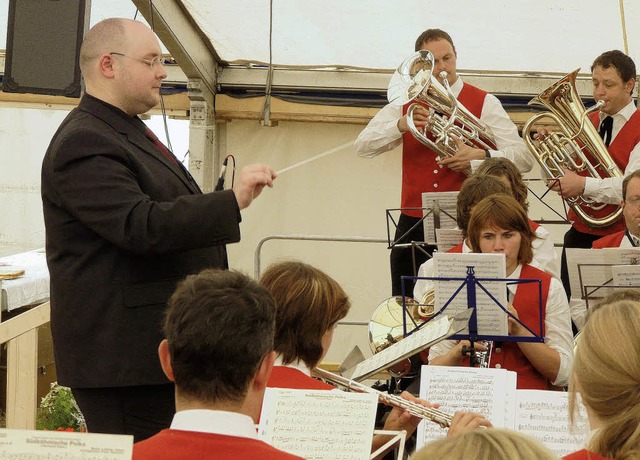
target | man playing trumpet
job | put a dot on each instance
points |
(422, 169)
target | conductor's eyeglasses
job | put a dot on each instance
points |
(153, 63)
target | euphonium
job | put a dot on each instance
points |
(448, 118)
(572, 146)
(386, 326)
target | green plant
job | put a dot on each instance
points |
(58, 410)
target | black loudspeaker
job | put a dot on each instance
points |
(43, 46)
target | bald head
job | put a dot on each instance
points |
(104, 37)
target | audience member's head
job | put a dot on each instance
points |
(606, 374)
(501, 212)
(474, 189)
(488, 444)
(218, 349)
(509, 173)
(309, 305)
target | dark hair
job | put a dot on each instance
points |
(220, 326)
(474, 189)
(623, 64)
(501, 211)
(309, 303)
(625, 182)
(431, 35)
(502, 167)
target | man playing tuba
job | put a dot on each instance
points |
(422, 170)
(618, 121)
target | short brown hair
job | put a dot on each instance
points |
(474, 189)
(625, 182)
(501, 211)
(502, 167)
(431, 35)
(623, 64)
(219, 325)
(309, 303)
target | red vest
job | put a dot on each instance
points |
(534, 225)
(457, 249)
(288, 377)
(172, 444)
(420, 170)
(619, 151)
(584, 455)
(609, 241)
(508, 355)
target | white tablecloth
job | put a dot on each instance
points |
(32, 287)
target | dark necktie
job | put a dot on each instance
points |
(165, 151)
(605, 129)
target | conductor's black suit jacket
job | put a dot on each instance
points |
(123, 225)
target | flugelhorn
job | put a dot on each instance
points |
(414, 81)
(441, 418)
(572, 147)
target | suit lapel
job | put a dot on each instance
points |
(138, 139)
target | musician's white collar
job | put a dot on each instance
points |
(626, 112)
(299, 365)
(457, 87)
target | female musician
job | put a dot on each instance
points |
(485, 445)
(606, 373)
(544, 254)
(309, 305)
(499, 224)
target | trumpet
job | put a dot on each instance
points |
(434, 415)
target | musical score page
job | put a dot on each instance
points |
(544, 415)
(626, 275)
(430, 333)
(63, 445)
(492, 319)
(319, 424)
(446, 202)
(467, 389)
(447, 238)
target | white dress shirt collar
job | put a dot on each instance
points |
(216, 422)
(626, 112)
(457, 87)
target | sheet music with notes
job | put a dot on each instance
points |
(446, 202)
(593, 268)
(492, 319)
(447, 238)
(425, 337)
(492, 392)
(626, 275)
(63, 445)
(319, 424)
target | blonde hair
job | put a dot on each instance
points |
(485, 444)
(606, 373)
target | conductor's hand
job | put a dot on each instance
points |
(467, 421)
(399, 419)
(251, 181)
(420, 119)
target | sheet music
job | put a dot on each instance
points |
(447, 202)
(406, 347)
(544, 415)
(319, 424)
(468, 389)
(588, 275)
(447, 238)
(626, 275)
(492, 320)
(62, 445)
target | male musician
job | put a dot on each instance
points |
(422, 170)
(630, 236)
(218, 350)
(614, 77)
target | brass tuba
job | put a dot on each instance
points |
(569, 148)
(414, 81)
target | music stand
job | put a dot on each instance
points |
(472, 283)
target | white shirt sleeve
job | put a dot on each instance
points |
(508, 142)
(544, 253)
(423, 286)
(559, 336)
(381, 134)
